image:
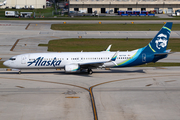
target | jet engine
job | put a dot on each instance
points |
(72, 68)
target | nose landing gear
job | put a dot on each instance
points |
(19, 72)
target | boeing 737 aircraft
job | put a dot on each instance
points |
(78, 61)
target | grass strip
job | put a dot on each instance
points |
(159, 64)
(111, 27)
(1, 65)
(88, 45)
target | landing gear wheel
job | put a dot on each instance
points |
(90, 71)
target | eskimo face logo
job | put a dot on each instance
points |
(161, 41)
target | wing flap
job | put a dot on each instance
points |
(92, 64)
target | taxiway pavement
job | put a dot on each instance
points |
(126, 94)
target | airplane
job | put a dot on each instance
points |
(79, 61)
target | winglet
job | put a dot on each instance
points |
(114, 56)
(109, 47)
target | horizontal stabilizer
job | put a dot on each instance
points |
(159, 54)
(165, 53)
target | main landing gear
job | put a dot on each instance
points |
(90, 71)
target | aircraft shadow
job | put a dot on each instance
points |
(121, 71)
(113, 71)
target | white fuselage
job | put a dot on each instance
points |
(60, 60)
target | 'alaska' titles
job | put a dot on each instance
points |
(40, 62)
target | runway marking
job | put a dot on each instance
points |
(170, 81)
(90, 90)
(149, 84)
(47, 82)
(5, 45)
(14, 45)
(73, 97)
(27, 26)
(19, 86)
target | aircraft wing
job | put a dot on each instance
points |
(97, 64)
(92, 64)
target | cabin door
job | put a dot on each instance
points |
(24, 59)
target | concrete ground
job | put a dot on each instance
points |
(126, 94)
(163, 15)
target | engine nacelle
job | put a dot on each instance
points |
(72, 68)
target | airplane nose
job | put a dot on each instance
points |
(6, 63)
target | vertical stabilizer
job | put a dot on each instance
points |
(160, 41)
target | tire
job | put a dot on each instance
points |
(90, 71)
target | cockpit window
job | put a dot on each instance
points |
(12, 59)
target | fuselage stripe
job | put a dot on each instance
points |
(126, 60)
